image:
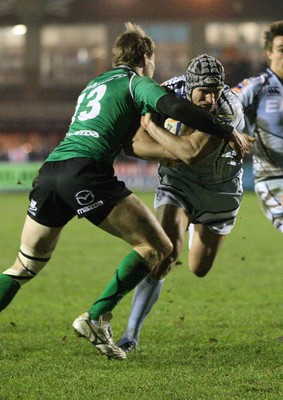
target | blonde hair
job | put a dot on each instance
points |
(131, 46)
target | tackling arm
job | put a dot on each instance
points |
(198, 118)
(142, 145)
(193, 116)
(189, 146)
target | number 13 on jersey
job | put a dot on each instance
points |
(92, 107)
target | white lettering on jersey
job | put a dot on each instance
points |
(83, 133)
(273, 105)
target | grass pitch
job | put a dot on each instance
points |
(213, 338)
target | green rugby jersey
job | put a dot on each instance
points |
(107, 111)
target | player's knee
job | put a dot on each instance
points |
(200, 273)
(155, 256)
(165, 265)
(163, 250)
(162, 269)
(199, 270)
(167, 250)
(28, 264)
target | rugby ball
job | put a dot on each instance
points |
(173, 126)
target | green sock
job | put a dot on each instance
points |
(129, 273)
(8, 290)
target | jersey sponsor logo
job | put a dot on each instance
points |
(83, 133)
(84, 197)
(32, 207)
(225, 118)
(85, 209)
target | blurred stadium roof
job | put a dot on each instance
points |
(47, 11)
(28, 103)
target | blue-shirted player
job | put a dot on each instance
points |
(262, 99)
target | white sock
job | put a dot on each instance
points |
(145, 296)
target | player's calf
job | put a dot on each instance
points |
(26, 267)
(28, 264)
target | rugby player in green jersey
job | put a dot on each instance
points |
(78, 179)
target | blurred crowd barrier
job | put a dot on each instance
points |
(138, 175)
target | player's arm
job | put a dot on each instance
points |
(198, 118)
(246, 91)
(190, 145)
(193, 116)
(250, 140)
(143, 146)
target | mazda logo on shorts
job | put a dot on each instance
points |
(84, 197)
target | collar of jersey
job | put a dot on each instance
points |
(126, 67)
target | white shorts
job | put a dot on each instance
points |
(270, 194)
(213, 205)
